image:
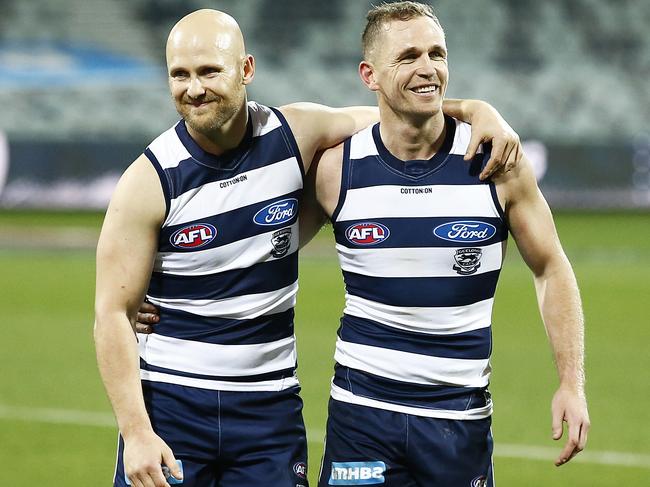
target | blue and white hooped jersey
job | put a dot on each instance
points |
(420, 245)
(226, 273)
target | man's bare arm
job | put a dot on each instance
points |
(125, 255)
(318, 127)
(532, 226)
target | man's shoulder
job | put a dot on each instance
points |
(168, 149)
(333, 154)
(265, 119)
(165, 137)
(462, 137)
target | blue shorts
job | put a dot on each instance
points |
(229, 439)
(370, 446)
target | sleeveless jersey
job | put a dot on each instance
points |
(226, 272)
(420, 246)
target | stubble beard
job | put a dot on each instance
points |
(214, 116)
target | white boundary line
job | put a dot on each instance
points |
(57, 416)
(547, 453)
(503, 450)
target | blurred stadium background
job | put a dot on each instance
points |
(83, 90)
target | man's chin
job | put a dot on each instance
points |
(425, 111)
(204, 122)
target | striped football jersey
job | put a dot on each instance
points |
(420, 245)
(226, 272)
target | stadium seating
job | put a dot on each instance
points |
(557, 70)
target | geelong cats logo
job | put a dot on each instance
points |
(467, 260)
(281, 241)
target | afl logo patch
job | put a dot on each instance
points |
(466, 231)
(300, 469)
(479, 481)
(367, 233)
(277, 213)
(193, 236)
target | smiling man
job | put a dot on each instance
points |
(205, 224)
(421, 240)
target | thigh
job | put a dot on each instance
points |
(364, 446)
(264, 442)
(187, 419)
(195, 474)
(450, 453)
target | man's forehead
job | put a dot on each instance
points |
(199, 47)
(401, 35)
(204, 39)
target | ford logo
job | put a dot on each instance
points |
(466, 231)
(277, 213)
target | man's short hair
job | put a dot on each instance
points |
(387, 12)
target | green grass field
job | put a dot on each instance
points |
(55, 426)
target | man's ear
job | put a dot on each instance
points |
(367, 74)
(248, 69)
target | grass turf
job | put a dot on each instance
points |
(47, 354)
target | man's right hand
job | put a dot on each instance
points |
(144, 454)
(148, 315)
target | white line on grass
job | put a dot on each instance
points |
(503, 450)
(547, 453)
(57, 416)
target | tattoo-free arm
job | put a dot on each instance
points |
(125, 255)
(532, 226)
(317, 127)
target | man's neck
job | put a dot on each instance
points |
(226, 137)
(410, 138)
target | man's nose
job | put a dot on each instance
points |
(195, 89)
(426, 67)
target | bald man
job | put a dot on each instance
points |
(205, 225)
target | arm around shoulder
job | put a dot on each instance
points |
(487, 126)
(318, 127)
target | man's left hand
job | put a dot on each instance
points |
(570, 407)
(489, 126)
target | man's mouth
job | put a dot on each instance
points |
(198, 103)
(426, 89)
